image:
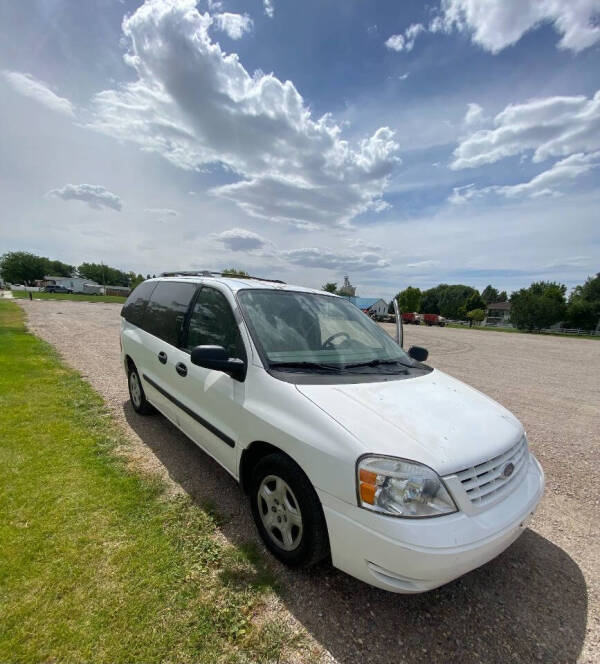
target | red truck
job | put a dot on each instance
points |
(410, 318)
(434, 319)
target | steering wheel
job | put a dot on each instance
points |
(327, 344)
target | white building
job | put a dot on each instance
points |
(73, 283)
(370, 305)
(497, 313)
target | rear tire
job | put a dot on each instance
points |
(287, 512)
(136, 393)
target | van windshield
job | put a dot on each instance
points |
(298, 331)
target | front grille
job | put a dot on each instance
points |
(484, 482)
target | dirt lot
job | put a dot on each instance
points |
(538, 601)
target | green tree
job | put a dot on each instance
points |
(583, 310)
(490, 294)
(475, 316)
(539, 306)
(329, 287)
(22, 267)
(430, 300)
(103, 274)
(502, 297)
(232, 272)
(59, 269)
(453, 297)
(135, 279)
(475, 301)
(582, 314)
(409, 299)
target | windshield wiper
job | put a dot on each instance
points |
(377, 363)
(304, 365)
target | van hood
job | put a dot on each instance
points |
(433, 419)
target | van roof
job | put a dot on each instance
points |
(236, 283)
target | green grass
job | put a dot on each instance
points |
(514, 330)
(96, 563)
(77, 297)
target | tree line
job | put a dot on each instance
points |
(540, 305)
(22, 267)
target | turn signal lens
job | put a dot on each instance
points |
(367, 476)
(367, 493)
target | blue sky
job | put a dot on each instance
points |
(399, 143)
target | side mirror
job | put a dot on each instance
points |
(215, 357)
(418, 353)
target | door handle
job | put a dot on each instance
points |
(181, 369)
(162, 357)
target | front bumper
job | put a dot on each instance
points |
(415, 555)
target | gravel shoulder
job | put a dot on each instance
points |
(538, 601)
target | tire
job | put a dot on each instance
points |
(307, 542)
(136, 393)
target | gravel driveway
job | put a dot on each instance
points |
(538, 601)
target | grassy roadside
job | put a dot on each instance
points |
(76, 297)
(513, 330)
(96, 564)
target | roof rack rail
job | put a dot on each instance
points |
(208, 273)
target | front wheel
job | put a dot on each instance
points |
(287, 512)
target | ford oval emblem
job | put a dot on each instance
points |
(508, 470)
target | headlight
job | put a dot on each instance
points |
(401, 488)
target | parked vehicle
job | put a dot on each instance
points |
(51, 288)
(93, 289)
(410, 318)
(433, 319)
(345, 443)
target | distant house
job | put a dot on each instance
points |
(497, 313)
(72, 283)
(370, 305)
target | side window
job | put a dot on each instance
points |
(135, 306)
(167, 308)
(212, 323)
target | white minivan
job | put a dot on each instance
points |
(347, 445)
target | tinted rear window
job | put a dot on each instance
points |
(135, 306)
(166, 310)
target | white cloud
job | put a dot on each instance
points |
(235, 25)
(162, 212)
(571, 261)
(240, 239)
(496, 24)
(395, 42)
(196, 105)
(543, 184)
(269, 8)
(94, 195)
(474, 115)
(422, 265)
(551, 127)
(404, 76)
(30, 87)
(359, 243)
(406, 41)
(326, 258)
(463, 194)
(359, 257)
